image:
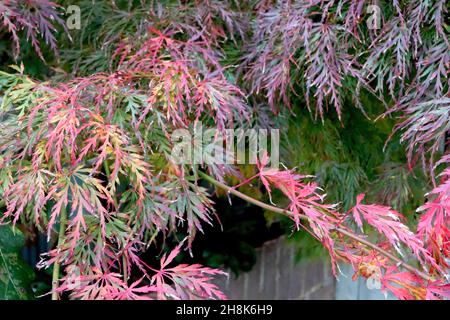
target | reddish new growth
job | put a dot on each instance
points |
(36, 18)
(86, 156)
(434, 223)
(179, 282)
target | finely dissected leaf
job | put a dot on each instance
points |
(188, 281)
(388, 222)
(404, 285)
(434, 223)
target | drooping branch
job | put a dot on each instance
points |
(305, 218)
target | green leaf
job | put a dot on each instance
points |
(15, 275)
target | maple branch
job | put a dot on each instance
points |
(116, 203)
(56, 266)
(304, 217)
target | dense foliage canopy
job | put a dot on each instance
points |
(359, 90)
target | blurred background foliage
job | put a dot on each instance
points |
(16, 276)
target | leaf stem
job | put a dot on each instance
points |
(116, 203)
(304, 217)
(56, 266)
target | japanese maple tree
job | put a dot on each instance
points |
(85, 156)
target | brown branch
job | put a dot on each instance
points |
(304, 217)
